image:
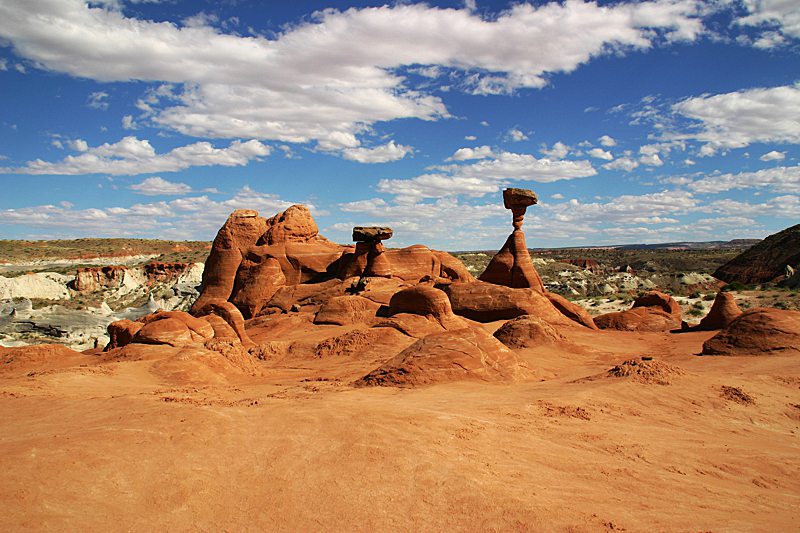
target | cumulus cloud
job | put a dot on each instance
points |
(774, 155)
(97, 100)
(464, 154)
(782, 14)
(599, 153)
(195, 217)
(607, 141)
(625, 163)
(559, 151)
(778, 179)
(156, 186)
(737, 119)
(132, 156)
(379, 154)
(515, 135)
(336, 73)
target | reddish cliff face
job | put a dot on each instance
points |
(91, 279)
(765, 261)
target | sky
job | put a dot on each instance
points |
(633, 122)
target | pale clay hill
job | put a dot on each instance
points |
(320, 387)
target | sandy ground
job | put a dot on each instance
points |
(708, 445)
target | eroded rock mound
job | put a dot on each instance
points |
(466, 354)
(421, 310)
(487, 302)
(351, 309)
(26, 358)
(722, 312)
(527, 331)
(653, 311)
(758, 332)
(765, 261)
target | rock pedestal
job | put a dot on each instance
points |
(512, 265)
(369, 259)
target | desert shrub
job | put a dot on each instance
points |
(699, 305)
(709, 297)
(695, 312)
(737, 286)
(696, 294)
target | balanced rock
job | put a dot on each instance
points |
(464, 354)
(722, 312)
(517, 200)
(371, 233)
(758, 332)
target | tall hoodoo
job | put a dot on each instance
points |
(512, 265)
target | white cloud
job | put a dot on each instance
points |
(379, 154)
(515, 135)
(128, 123)
(781, 13)
(557, 196)
(336, 72)
(652, 160)
(463, 154)
(625, 163)
(79, 145)
(780, 206)
(599, 153)
(774, 155)
(607, 141)
(97, 100)
(132, 156)
(157, 186)
(559, 151)
(470, 138)
(486, 176)
(778, 179)
(734, 120)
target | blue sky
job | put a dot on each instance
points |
(649, 122)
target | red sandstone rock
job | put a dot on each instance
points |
(256, 282)
(293, 225)
(574, 312)
(487, 302)
(351, 309)
(638, 319)
(722, 312)
(408, 264)
(121, 333)
(658, 299)
(222, 330)
(231, 314)
(26, 358)
(170, 331)
(512, 265)
(758, 332)
(158, 272)
(464, 354)
(92, 279)
(526, 331)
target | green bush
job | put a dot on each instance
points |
(709, 297)
(737, 286)
(695, 312)
(696, 294)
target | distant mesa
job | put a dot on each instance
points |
(765, 261)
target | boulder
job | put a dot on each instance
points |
(121, 333)
(487, 302)
(464, 354)
(170, 331)
(758, 332)
(343, 310)
(371, 234)
(222, 330)
(722, 312)
(653, 311)
(527, 331)
(421, 310)
(231, 314)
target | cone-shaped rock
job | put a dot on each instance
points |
(512, 265)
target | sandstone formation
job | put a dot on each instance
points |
(653, 311)
(459, 355)
(512, 265)
(350, 309)
(487, 302)
(765, 261)
(758, 332)
(722, 312)
(255, 263)
(50, 356)
(45, 285)
(526, 331)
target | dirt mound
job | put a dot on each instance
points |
(461, 355)
(758, 332)
(214, 362)
(735, 394)
(650, 372)
(23, 358)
